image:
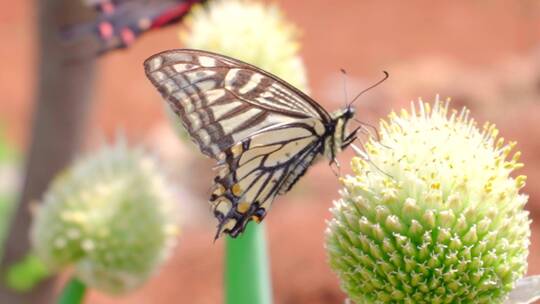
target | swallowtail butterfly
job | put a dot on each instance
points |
(264, 132)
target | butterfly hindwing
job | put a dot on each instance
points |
(222, 101)
(257, 169)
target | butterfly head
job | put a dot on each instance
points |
(342, 138)
(348, 113)
(346, 137)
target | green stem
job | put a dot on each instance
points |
(247, 278)
(73, 292)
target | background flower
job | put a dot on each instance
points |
(111, 216)
(250, 31)
(433, 215)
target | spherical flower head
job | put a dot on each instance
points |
(432, 213)
(250, 31)
(111, 216)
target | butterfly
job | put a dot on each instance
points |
(263, 132)
(118, 23)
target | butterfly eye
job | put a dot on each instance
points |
(349, 113)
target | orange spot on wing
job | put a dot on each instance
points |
(243, 207)
(236, 190)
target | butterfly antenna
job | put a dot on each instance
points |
(386, 75)
(344, 77)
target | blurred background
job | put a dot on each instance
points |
(483, 54)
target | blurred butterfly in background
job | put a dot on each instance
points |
(264, 133)
(119, 23)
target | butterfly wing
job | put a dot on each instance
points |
(257, 169)
(118, 23)
(264, 132)
(222, 101)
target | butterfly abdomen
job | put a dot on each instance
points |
(299, 170)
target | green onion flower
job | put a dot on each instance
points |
(432, 213)
(250, 31)
(111, 216)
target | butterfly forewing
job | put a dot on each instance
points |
(222, 101)
(264, 132)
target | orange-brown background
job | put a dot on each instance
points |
(484, 54)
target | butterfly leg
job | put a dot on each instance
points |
(336, 168)
(350, 138)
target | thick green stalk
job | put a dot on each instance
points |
(73, 292)
(247, 277)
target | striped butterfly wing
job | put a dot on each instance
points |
(264, 132)
(221, 100)
(254, 171)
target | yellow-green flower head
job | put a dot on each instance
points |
(433, 215)
(250, 31)
(110, 216)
